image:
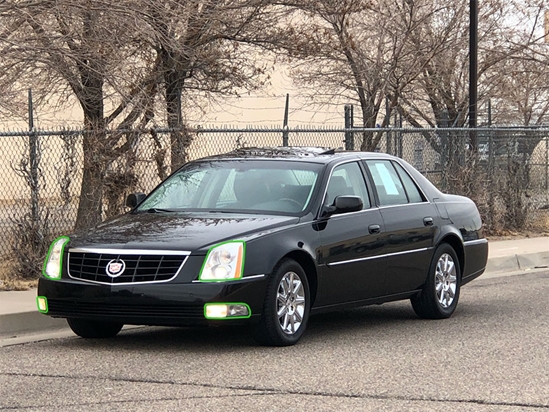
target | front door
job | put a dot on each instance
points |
(352, 266)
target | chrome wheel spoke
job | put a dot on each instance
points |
(449, 267)
(292, 324)
(439, 286)
(285, 322)
(439, 277)
(297, 287)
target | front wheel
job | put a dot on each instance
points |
(440, 295)
(91, 329)
(286, 306)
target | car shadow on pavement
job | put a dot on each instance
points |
(333, 326)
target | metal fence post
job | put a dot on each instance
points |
(547, 163)
(33, 163)
(349, 135)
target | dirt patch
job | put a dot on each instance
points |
(9, 281)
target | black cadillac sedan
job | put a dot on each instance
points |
(268, 236)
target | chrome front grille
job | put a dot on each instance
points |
(140, 266)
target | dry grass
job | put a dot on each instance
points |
(538, 226)
(540, 222)
(9, 281)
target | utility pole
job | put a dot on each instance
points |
(285, 134)
(473, 71)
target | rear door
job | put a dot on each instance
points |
(410, 225)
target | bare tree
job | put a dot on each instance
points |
(362, 51)
(204, 46)
(115, 57)
(71, 50)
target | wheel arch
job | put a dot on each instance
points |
(455, 242)
(308, 265)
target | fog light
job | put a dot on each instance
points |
(227, 311)
(42, 303)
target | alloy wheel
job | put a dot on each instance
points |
(445, 280)
(290, 303)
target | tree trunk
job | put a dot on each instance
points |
(94, 146)
(91, 194)
(180, 139)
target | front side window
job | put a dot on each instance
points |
(347, 179)
(272, 186)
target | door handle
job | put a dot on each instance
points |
(428, 221)
(374, 229)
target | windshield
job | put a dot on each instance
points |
(272, 186)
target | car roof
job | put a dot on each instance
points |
(309, 154)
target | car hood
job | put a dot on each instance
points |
(175, 231)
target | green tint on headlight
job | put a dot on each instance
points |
(223, 262)
(53, 265)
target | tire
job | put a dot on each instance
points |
(440, 294)
(285, 310)
(90, 329)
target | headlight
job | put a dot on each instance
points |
(224, 262)
(54, 260)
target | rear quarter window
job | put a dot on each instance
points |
(414, 195)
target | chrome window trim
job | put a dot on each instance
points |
(403, 204)
(344, 262)
(89, 250)
(343, 215)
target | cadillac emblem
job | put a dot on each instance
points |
(115, 268)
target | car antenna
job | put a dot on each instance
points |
(328, 152)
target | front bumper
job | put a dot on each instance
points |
(158, 304)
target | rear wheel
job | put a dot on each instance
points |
(91, 329)
(440, 295)
(286, 307)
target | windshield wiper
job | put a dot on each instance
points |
(158, 210)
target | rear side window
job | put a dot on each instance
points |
(389, 187)
(414, 195)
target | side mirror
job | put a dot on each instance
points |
(134, 199)
(344, 204)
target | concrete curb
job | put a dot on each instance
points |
(518, 262)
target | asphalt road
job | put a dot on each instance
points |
(492, 355)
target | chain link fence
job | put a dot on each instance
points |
(41, 171)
